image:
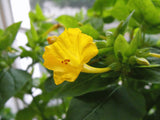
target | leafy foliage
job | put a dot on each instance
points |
(130, 91)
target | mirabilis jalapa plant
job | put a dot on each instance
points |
(97, 73)
(128, 66)
(68, 55)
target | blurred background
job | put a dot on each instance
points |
(12, 11)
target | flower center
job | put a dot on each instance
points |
(65, 61)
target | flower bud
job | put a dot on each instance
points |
(51, 39)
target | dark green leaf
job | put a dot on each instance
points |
(115, 103)
(25, 114)
(108, 19)
(11, 82)
(84, 84)
(149, 75)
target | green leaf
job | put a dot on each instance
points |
(135, 43)
(6, 114)
(145, 11)
(68, 21)
(84, 84)
(25, 114)
(100, 5)
(1, 32)
(123, 26)
(146, 74)
(33, 32)
(37, 15)
(11, 82)
(120, 10)
(156, 3)
(89, 30)
(8, 36)
(112, 104)
(110, 39)
(97, 23)
(120, 47)
(101, 43)
(28, 53)
(79, 16)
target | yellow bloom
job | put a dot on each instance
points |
(68, 55)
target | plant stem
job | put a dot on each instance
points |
(54, 27)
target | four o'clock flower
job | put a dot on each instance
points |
(68, 54)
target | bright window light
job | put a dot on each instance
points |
(20, 9)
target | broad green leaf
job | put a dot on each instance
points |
(11, 82)
(146, 74)
(120, 47)
(68, 21)
(120, 10)
(100, 5)
(84, 84)
(25, 114)
(111, 104)
(89, 30)
(145, 11)
(8, 36)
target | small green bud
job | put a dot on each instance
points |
(142, 61)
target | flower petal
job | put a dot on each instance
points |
(67, 74)
(88, 48)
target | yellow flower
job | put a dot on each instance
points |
(68, 55)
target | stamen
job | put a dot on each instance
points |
(65, 61)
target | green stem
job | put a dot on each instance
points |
(54, 27)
